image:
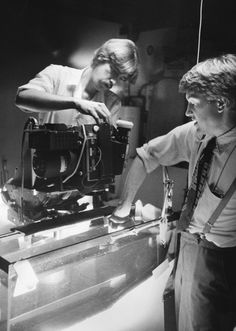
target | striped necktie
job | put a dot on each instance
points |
(199, 179)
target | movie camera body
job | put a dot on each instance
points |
(86, 158)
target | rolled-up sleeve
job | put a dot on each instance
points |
(169, 149)
(44, 81)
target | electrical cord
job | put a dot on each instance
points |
(80, 156)
(199, 31)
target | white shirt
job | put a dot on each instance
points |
(184, 144)
(65, 81)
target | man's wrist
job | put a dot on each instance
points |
(75, 103)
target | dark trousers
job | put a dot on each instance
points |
(205, 286)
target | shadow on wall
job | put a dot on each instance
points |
(167, 107)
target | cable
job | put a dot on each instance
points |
(80, 156)
(199, 32)
(99, 159)
(99, 180)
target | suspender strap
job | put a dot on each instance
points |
(220, 207)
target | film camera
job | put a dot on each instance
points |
(86, 158)
(61, 164)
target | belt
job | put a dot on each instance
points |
(201, 240)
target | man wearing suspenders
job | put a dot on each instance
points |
(205, 277)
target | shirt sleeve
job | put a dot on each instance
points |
(45, 80)
(169, 149)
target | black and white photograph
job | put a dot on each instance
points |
(118, 165)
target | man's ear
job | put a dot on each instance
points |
(222, 103)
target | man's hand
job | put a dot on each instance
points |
(93, 108)
(122, 211)
(121, 214)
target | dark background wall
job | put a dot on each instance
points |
(34, 34)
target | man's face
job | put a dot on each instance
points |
(104, 77)
(203, 112)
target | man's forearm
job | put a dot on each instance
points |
(134, 180)
(38, 101)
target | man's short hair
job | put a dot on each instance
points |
(214, 78)
(122, 54)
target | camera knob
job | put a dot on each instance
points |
(95, 128)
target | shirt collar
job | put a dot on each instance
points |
(226, 139)
(222, 141)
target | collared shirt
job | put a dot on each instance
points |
(65, 81)
(184, 144)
